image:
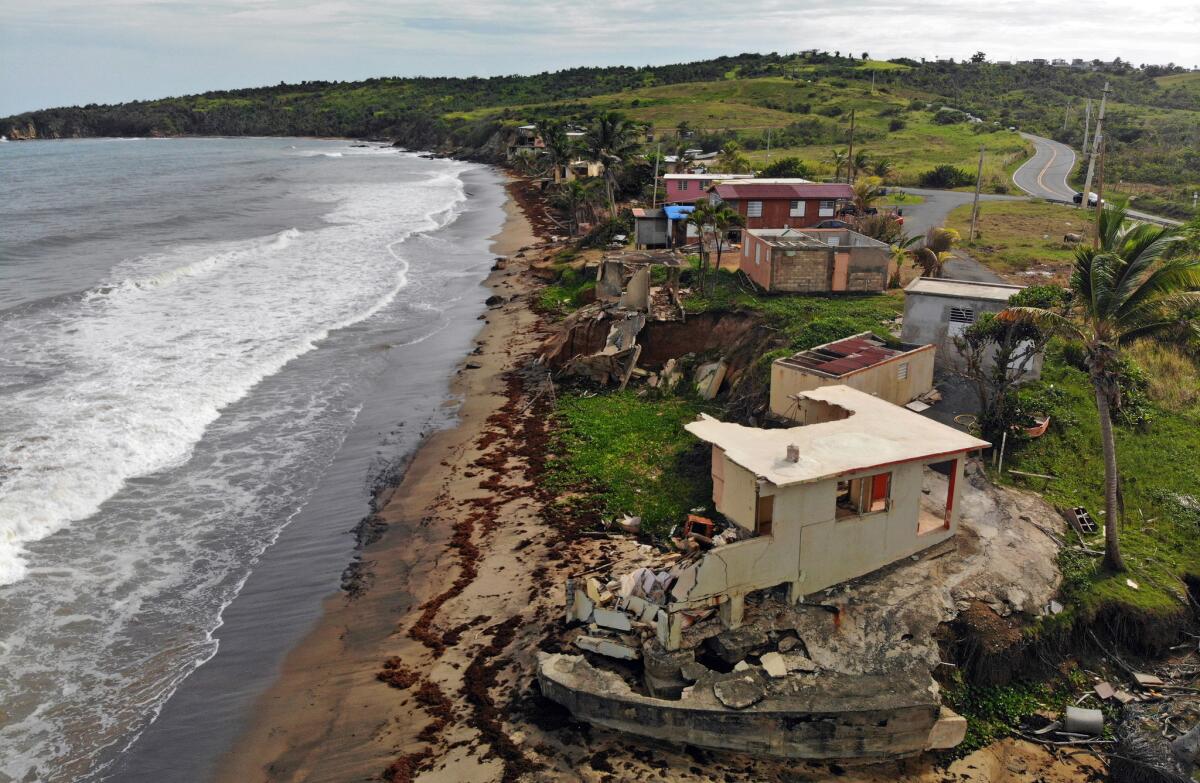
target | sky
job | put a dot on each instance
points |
(66, 52)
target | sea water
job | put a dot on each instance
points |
(202, 341)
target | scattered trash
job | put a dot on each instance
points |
(1080, 720)
(630, 524)
(1132, 584)
(1147, 680)
(1104, 690)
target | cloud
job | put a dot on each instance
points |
(55, 52)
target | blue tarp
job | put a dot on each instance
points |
(677, 211)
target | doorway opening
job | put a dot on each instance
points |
(937, 505)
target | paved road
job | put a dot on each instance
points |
(919, 218)
(1047, 175)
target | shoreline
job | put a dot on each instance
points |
(309, 723)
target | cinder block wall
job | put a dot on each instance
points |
(807, 270)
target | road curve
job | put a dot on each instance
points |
(1045, 175)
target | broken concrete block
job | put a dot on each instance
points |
(637, 293)
(1147, 680)
(949, 730)
(1104, 690)
(606, 647)
(685, 581)
(693, 671)
(774, 664)
(613, 620)
(663, 663)
(709, 378)
(799, 663)
(593, 589)
(581, 607)
(740, 692)
(734, 645)
(741, 666)
(788, 643)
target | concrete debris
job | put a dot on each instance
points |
(1104, 690)
(799, 663)
(1124, 697)
(788, 643)
(1147, 680)
(630, 524)
(608, 279)
(774, 664)
(1080, 720)
(637, 294)
(740, 692)
(611, 619)
(580, 606)
(623, 333)
(949, 730)
(693, 671)
(607, 648)
(708, 379)
(741, 666)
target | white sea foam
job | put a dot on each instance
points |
(132, 373)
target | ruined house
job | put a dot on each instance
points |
(835, 498)
(813, 260)
(896, 373)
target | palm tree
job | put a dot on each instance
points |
(732, 159)
(839, 159)
(722, 218)
(1126, 290)
(883, 168)
(560, 147)
(866, 192)
(576, 197)
(934, 254)
(702, 218)
(861, 161)
(612, 140)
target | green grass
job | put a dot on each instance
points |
(1016, 235)
(1160, 463)
(994, 711)
(620, 453)
(567, 294)
(899, 198)
(805, 321)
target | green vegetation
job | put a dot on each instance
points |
(1159, 457)
(566, 294)
(1014, 236)
(619, 453)
(912, 114)
(994, 711)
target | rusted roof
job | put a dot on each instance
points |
(765, 190)
(845, 356)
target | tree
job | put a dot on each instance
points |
(1127, 290)
(701, 218)
(732, 161)
(684, 159)
(995, 356)
(560, 148)
(979, 57)
(839, 160)
(932, 255)
(788, 168)
(611, 140)
(861, 161)
(883, 168)
(866, 56)
(722, 218)
(683, 129)
(866, 192)
(577, 198)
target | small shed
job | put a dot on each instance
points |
(936, 310)
(650, 228)
(896, 373)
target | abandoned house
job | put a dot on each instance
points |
(936, 310)
(895, 373)
(827, 501)
(780, 203)
(815, 260)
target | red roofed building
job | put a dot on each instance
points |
(783, 203)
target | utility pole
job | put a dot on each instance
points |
(1099, 191)
(975, 205)
(654, 190)
(1097, 140)
(850, 152)
(1087, 126)
(768, 145)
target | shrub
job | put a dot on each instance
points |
(945, 176)
(788, 167)
(896, 124)
(948, 116)
(916, 104)
(832, 111)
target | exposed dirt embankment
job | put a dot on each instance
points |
(736, 337)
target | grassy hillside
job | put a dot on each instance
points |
(803, 100)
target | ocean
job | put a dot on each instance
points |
(210, 351)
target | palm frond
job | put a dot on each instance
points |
(1046, 320)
